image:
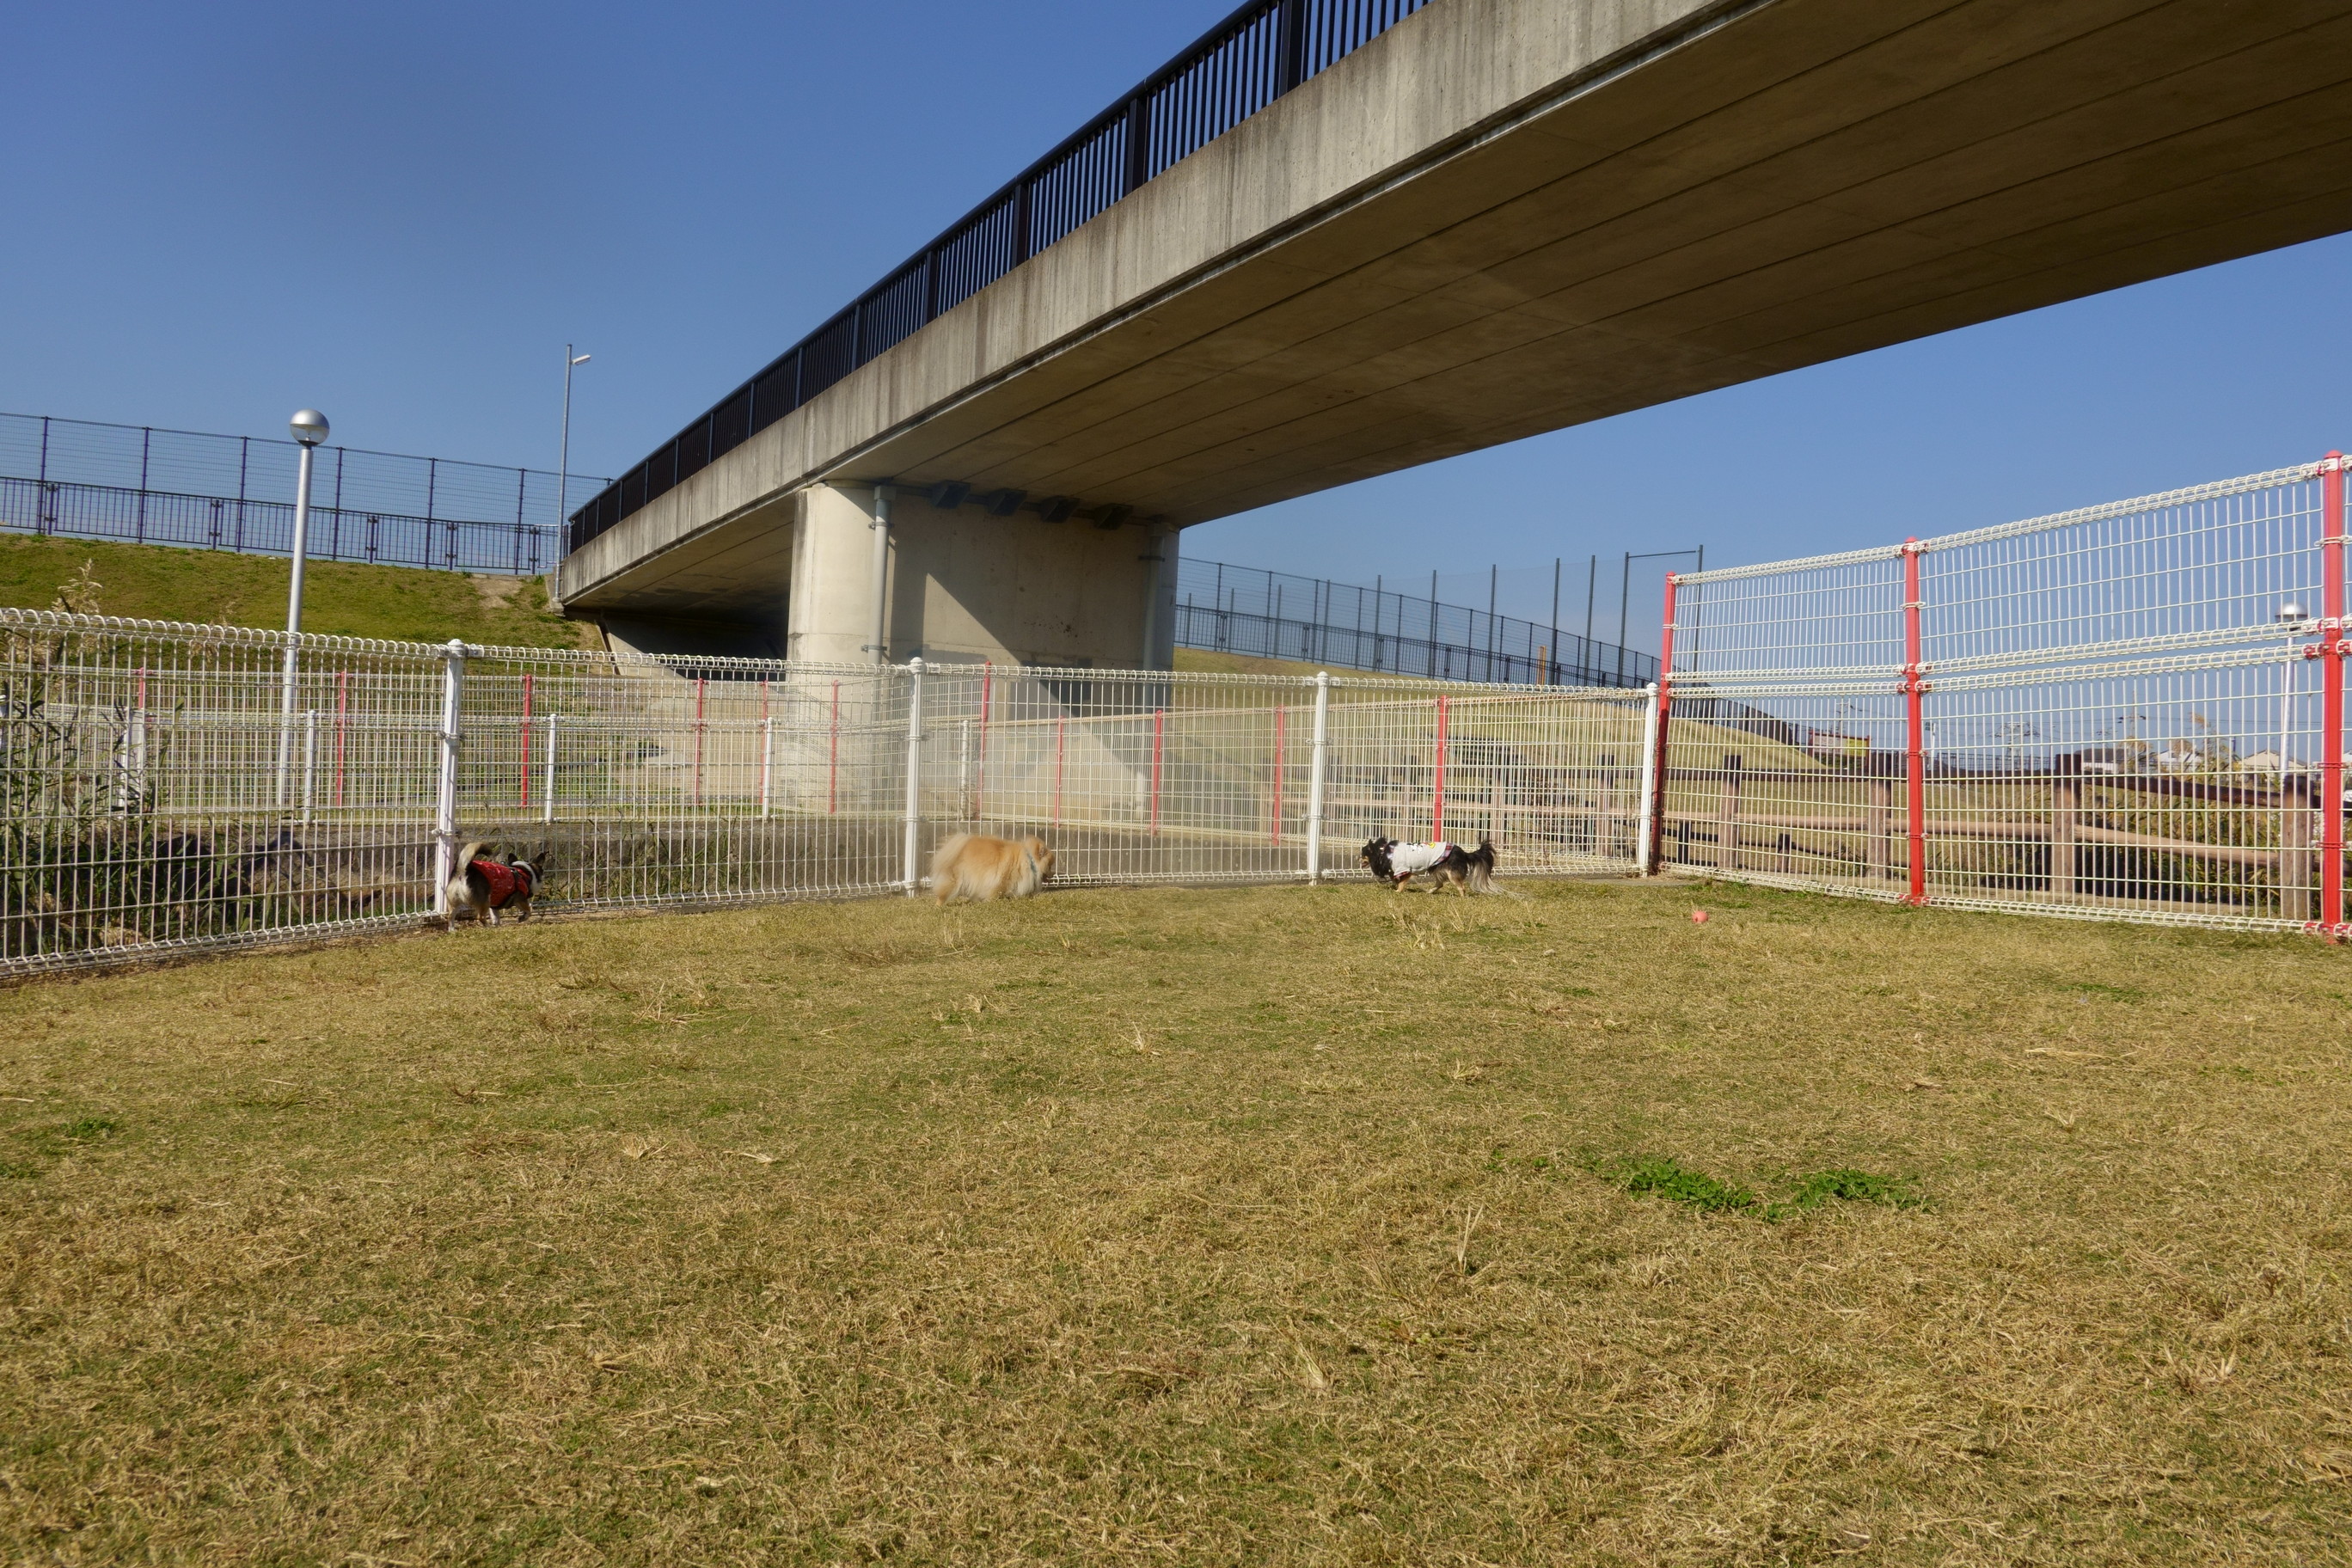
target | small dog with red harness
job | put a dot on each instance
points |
(485, 886)
(1397, 863)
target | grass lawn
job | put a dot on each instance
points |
(1239, 1226)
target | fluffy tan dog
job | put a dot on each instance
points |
(974, 866)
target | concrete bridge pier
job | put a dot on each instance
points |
(966, 585)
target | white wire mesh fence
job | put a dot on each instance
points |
(2132, 710)
(167, 787)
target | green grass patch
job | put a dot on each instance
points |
(162, 582)
(1659, 1175)
(1851, 1186)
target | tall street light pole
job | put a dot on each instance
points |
(564, 458)
(310, 428)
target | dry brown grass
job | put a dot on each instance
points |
(1190, 1227)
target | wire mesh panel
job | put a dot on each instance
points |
(172, 787)
(1796, 785)
(160, 793)
(1154, 776)
(646, 780)
(2150, 787)
(1552, 775)
(2115, 712)
(2209, 566)
(1129, 775)
(1829, 616)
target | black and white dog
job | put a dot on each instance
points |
(1397, 863)
(484, 886)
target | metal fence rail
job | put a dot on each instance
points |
(1240, 66)
(137, 485)
(154, 797)
(2132, 710)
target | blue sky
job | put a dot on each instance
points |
(400, 214)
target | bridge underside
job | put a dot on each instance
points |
(1509, 217)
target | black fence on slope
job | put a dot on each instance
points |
(1224, 608)
(138, 485)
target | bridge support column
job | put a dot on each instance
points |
(964, 584)
(831, 615)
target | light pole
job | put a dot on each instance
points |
(564, 453)
(310, 428)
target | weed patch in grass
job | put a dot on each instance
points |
(1851, 1186)
(1661, 1176)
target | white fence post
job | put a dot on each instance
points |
(130, 795)
(547, 791)
(1644, 822)
(445, 811)
(914, 776)
(1315, 778)
(310, 761)
(768, 764)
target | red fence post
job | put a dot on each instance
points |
(1159, 743)
(525, 765)
(1437, 795)
(1914, 689)
(1279, 714)
(2332, 649)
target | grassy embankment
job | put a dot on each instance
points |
(151, 581)
(154, 581)
(1216, 1225)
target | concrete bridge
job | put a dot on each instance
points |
(1422, 237)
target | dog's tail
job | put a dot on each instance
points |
(943, 860)
(1482, 866)
(468, 856)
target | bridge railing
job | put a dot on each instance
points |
(1238, 67)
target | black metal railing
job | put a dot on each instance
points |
(1243, 610)
(139, 485)
(250, 527)
(1236, 68)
